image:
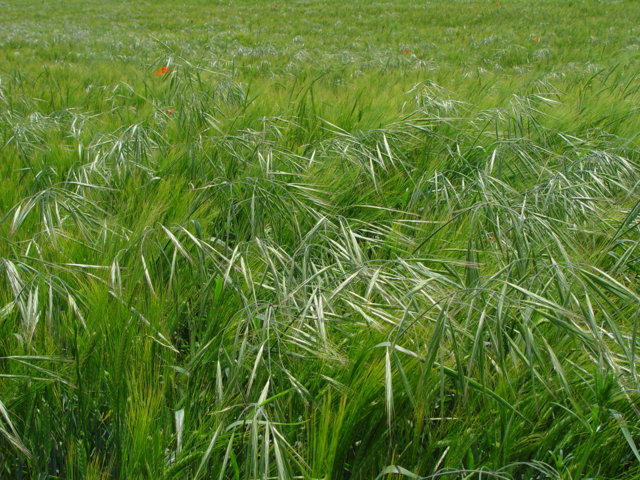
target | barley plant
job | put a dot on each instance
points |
(319, 239)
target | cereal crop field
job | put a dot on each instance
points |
(319, 239)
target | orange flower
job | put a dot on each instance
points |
(163, 71)
(498, 4)
(536, 40)
(405, 51)
(275, 5)
(170, 111)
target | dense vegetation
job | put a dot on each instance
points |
(319, 239)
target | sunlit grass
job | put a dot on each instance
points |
(318, 243)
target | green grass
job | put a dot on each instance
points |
(305, 253)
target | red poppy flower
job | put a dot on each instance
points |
(405, 51)
(163, 71)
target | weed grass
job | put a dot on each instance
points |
(365, 240)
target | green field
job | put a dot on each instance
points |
(319, 239)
